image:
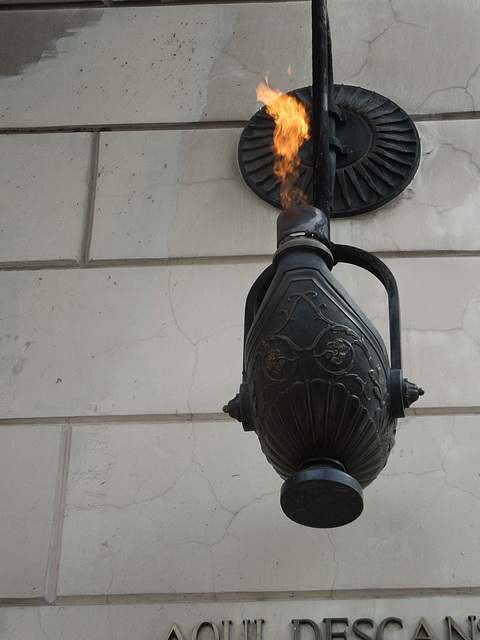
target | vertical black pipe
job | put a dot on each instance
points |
(322, 89)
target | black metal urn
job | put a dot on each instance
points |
(317, 384)
(318, 388)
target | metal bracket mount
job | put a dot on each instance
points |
(377, 148)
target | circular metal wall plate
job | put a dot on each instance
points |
(382, 152)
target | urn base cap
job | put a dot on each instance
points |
(321, 497)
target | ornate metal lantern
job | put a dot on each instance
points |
(318, 388)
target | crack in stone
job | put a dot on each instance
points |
(334, 557)
(444, 460)
(245, 506)
(139, 503)
(417, 330)
(220, 331)
(230, 72)
(229, 525)
(197, 466)
(134, 502)
(472, 76)
(242, 66)
(439, 91)
(212, 570)
(41, 625)
(111, 558)
(194, 345)
(370, 43)
(397, 19)
(410, 24)
(434, 500)
(464, 152)
(109, 622)
(217, 181)
(444, 455)
(124, 343)
(158, 527)
(471, 307)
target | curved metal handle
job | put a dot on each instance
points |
(369, 262)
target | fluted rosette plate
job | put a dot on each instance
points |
(382, 152)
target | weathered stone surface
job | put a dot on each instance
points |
(169, 339)
(29, 462)
(203, 62)
(175, 508)
(180, 194)
(43, 182)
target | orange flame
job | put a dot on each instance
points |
(291, 131)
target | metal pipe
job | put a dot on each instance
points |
(322, 123)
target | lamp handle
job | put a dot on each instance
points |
(369, 262)
(401, 391)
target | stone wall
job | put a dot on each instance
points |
(128, 242)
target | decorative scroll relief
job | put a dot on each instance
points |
(335, 348)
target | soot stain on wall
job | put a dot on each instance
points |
(26, 37)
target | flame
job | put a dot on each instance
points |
(291, 131)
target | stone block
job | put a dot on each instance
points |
(439, 209)
(203, 62)
(176, 194)
(439, 319)
(169, 194)
(121, 340)
(194, 508)
(43, 181)
(166, 340)
(29, 461)
(136, 196)
(147, 495)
